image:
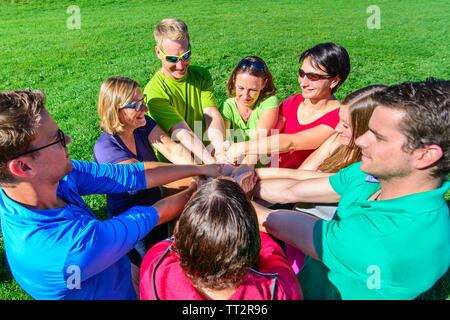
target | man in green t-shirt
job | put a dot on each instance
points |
(390, 236)
(180, 97)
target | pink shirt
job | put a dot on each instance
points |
(289, 109)
(274, 279)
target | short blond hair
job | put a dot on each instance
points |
(115, 92)
(172, 28)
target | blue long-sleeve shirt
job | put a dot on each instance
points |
(67, 253)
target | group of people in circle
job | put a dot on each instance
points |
(246, 227)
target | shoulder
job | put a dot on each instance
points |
(227, 105)
(348, 176)
(156, 86)
(108, 149)
(199, 72)
(291, 103)
(270, 102)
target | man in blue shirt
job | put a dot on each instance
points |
(55, 246)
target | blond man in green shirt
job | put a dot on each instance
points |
(180, 97)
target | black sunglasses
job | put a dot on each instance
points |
(257, 65)
(61, 139)
(312, 76)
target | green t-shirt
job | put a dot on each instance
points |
(171, 101)
(240, 130)
(387, 249)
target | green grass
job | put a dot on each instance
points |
(37, 50)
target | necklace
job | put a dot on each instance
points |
(244, 112)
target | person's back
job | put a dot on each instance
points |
(218, 253)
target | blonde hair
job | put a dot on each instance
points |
(115, 92)
(172, 28)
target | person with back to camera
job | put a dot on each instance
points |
(252, 110)
(129, 136)
(217, 252)
(308, 119)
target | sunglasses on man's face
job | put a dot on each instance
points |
(312, 76)
(138, 105)
(61, 139)
(174, 59)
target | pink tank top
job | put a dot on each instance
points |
(288, 109)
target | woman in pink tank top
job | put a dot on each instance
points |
(306, 120)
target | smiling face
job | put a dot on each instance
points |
(130, 118)
(319, 89)
(382, 146)
(173, 47)
(248, 88)
(344, 127)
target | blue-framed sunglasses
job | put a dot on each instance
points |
(138, 105)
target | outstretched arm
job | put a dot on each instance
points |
(173, 151)
(191, 142)
(289, 191)
(293, 227)
(281, 143)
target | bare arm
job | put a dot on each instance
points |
(281, 143)
(171, 207)
(173, 151)
(286, 173)
(191, 142)
(319, 155)
(159, 173)
(290, 191)
(215, 127)
(293, 227)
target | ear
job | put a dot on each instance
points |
(20, 168)
(158, 54)
(336, 80)
(427, 156)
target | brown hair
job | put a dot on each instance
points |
(115, 92)
(20, 114)
(361, 105)
(256, 67)
(426, 106)
(217, 235)
(172, 28)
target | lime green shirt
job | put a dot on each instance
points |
(241, 130)
(171, 101)
(387, 249)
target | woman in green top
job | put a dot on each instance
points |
(252, 110)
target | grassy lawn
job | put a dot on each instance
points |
(39, 51)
